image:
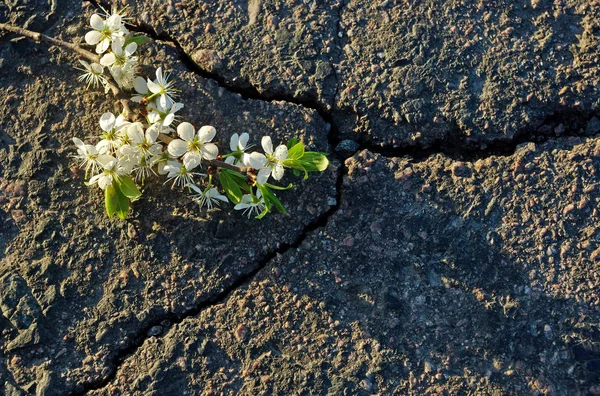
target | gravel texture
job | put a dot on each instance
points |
(438, 277)
(465, 273)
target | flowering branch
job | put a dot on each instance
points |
(129, 152)
(50, 40)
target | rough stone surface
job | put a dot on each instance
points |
(402, 72)
(275, 47)
(76, 287)
(425, 281)
(411, 276)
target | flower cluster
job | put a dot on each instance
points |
(129, 152)
(117, 46)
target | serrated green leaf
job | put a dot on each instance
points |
(128, 187)
(296, 152)
(139, 40)
(229, 185)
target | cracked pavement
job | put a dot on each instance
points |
(456, 251)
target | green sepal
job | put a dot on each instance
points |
(279, 187)
(128, 187)
(230, 186)
(139, 40)
(262, 214)
(116, 202)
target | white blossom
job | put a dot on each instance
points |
(163, 115)
(251, 204)
(270, 163)
(88, 156)
(105, 31)
(180, 175)
(111, 126)
(163, 87)
(193, 146)
(112, 168)
(238, 145)
(93, 75)
(208, 197)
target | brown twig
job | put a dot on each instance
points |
(50, 40)
(219, 164)
(70, 46)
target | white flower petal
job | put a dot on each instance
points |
(177, 148)
(159, 75)
(278, 171)
(140, 86)
(230, 160)
(117, 46)
(153, 87)
(263, 175)
(281, 152)
(257, 160)
(267, 144)
(209, 151)
(107, 161)
(169, 119)
(243, 142)
(93, 37)
(233, 142)
(107, 122)
(79, 143)
(191, 160)
(206, 133)
(96, 22)
(108, 59)
(151, 135)
(186, 131)
(96, 68)
(104, 181)
(130, 49)
(102, 46)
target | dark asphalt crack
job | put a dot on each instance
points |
(455, 147)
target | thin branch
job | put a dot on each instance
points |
(42, 37)
(219, 164)
(51, 40)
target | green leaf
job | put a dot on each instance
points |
(229, 185)
(116, 202)
(297, 166)
(128, 187)
(111, 200)
(296, 152)
(139, 40)
(292, 143)
(314, 162)
(279, 187)
(271, 199)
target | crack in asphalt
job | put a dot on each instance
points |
(455, 147)
(321, 222)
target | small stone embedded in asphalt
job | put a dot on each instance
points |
(593, 127)
(155, 331)
(346, 148)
